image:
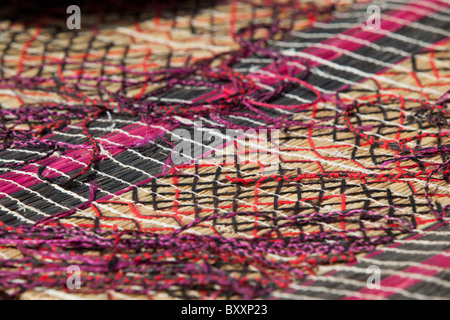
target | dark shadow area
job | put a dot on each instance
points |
(53, 12)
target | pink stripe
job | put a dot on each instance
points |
(404, 282)
(82, 155)
(360, 32)
(365, 34)
(432, 261)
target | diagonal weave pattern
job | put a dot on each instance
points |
(89, 121)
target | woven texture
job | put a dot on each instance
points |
(90, 119)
